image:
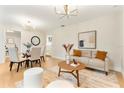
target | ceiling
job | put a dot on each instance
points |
(44, 18)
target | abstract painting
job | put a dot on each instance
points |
(87, 40)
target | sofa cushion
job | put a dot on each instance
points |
(85, 53)
(101, 55)
(76, 52)
(96, 63)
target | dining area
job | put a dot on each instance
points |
(28, 63)
(33, 54)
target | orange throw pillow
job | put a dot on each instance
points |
(101, 55)
(76, 53)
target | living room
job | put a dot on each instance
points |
(42, 25)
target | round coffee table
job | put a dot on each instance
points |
(71, 69)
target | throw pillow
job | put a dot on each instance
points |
(101, 55)
(76, 53)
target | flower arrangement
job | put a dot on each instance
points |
(68, 47)
(28, 46)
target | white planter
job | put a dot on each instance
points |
(67, 58)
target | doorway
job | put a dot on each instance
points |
(49, 45)
(13, 39)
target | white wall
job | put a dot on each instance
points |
(123, 44)
(27, 35)
(2, 44)
(109, 37)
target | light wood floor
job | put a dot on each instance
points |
(8, 79)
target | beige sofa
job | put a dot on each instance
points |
(88, 57)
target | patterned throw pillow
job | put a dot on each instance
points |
(76, 53)
(101, 55)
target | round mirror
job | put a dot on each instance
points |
(35, 40)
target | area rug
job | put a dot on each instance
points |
(88, 78)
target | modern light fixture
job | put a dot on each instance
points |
(66, 11)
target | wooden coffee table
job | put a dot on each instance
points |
(71, 69)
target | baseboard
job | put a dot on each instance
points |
(2, 61)
(58, 57)
(116, 68)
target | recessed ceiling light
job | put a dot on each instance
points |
(62, 25)
(28, 21)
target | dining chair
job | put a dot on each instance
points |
(35, 56)
(42, 53)
(14, 58)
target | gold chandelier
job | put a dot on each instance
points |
(66, 11)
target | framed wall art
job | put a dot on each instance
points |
(87, 40)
